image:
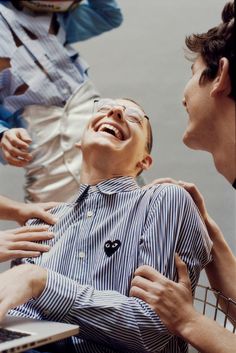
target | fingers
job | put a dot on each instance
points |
(161, 181)
(22, 243)
(48, 205)
(42, 214)
(189, 187)
(18, 138)
(149, 273)
(13, 160)
(29, 229)
(138, 293)
(45, 216)
(32, 236)
(28, 246)
(196, 196)
(15, 144)
(182, 271)
(23, 135)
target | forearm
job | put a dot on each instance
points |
(9, 209)
(221, 271)
(208, 336)
(104, 316)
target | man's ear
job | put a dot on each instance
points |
(145, 163)
(222, 84)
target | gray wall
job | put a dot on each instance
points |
(144, 59)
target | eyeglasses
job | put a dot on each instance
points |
(132, 114)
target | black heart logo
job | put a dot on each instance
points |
(110, 247)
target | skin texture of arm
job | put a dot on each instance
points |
(173, 303)
(20, 212)
(221, 272)
(14, 292)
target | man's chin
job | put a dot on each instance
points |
(189, 141)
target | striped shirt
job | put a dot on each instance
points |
(100, 240)
(45, 66)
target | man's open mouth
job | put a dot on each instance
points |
(112, 130)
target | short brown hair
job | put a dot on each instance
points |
(216, 43)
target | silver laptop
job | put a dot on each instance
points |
(19, 334)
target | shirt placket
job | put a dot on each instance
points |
(85, 253)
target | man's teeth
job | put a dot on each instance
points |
(111, 130)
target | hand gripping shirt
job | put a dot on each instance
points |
(100, 240)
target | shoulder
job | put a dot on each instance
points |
(172, 200)
(168, 192)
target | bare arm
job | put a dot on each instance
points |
(21, 212)
(221, 272)
(173, 303)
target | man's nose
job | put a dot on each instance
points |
(116, 112)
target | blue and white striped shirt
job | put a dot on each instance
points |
(100, 240)
(45, 66)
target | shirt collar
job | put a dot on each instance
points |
(109, 186)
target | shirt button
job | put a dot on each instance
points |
(69, 160)
(89, 214)
(81, 255)
(46, 312)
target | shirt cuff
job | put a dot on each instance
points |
(2, 130)
(58, 296)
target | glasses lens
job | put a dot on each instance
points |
(134, 115)
(105, 105)
(131, 114)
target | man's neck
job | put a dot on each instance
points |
(92, 175)
(223, 150)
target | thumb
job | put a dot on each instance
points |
(23, 134)
(47, 217)
(182, 271)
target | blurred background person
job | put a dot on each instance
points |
(46, 95)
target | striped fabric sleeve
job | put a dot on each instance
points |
(106, 317)
(90, 19)
(178, 228)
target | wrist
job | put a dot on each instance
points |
(16, 209)
(188, 327)
(38, 281)
(212, 227)
(35, 276)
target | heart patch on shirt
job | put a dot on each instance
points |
(111, 247)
